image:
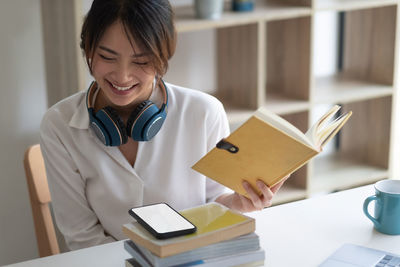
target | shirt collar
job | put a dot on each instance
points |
(80, 118)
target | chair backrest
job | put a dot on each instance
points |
(40, 199)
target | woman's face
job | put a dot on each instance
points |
(123, 72)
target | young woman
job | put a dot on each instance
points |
(131, 139)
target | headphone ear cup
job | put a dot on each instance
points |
(140, 120)
(99, 129)
(114, 125)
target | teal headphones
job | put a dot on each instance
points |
(143, 123)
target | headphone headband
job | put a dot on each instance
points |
(89, 96)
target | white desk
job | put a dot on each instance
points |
(301, 233)
(304, 233)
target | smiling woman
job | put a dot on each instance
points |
(153, 33)
(131, 139)
(124, 73)
(124, 57)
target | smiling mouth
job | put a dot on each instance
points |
(119, 88)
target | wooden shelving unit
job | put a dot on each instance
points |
(264, 58)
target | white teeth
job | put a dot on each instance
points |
(121, 88)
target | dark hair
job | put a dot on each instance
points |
(149, 22)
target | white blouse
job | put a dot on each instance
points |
(93, 186)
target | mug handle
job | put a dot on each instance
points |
(365, 209)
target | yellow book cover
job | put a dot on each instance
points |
(268, 148)
(214, 222)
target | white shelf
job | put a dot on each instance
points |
(331, 172)
(347, 5)
(284, 105)
(336, 89)
(275, 103)
(186, 21)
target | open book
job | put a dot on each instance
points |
(267, 147)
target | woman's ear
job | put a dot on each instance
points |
(155, 81)
(89, 64)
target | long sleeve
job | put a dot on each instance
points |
(74, 216)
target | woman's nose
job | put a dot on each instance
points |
(123, 75)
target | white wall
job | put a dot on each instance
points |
(22, 104)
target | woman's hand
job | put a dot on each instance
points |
(253, 201)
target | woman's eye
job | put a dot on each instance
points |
(105, 58)
(141, 63)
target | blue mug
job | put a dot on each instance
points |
(386, 217)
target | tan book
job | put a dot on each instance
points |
(267, 147)
(214, 222)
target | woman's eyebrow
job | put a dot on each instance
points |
(117, 54)
(108, 50)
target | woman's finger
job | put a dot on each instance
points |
(247, 205)
(266, 192)
(257, 203)
(276, 187)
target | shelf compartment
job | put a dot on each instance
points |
(362, 149)
(346, 5)
(299, 120)
(339, 89)
(369, 44)
(366, 136)
(263, 11)
(332, 173)
(237, 66)
(288, 59)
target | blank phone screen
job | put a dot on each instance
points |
(162, 218)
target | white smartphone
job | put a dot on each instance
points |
(162, 221)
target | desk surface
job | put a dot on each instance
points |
(306, 232)
(301, 233)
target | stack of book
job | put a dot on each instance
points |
(223, 238)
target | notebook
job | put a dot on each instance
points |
(350, 255)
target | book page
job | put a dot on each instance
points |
(283, 125)
(333, 129)
(313, 133)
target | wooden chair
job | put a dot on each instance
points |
(40, 199)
